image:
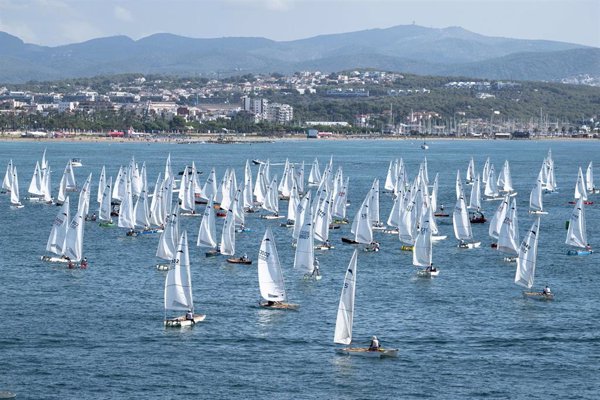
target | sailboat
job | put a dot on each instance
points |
(15, 202)
(270, 277)
(207, 232)
(526, 262)
(589, 179)
(476, 216)
(580, 190)
(536, 204)
(508, 236)
(178, 289)
(361, 225)
(576, 232)
(462, 225)
(423, 249)
(6, 182)
(58, 235)
(304, 259)
(345, 318)
(470, 176)
(105, 206)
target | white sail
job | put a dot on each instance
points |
(84, 196)
(580, 189)
(126, 216)
(508, 237)
(422, 251)
(36, 184)
(392, 176)
(58, 233)
(434, 193)
(458, 185)
(207, 232)
(314, 176)
(299, 178)
(167, 244)
(155, 209)
(577, 232)
(227, 246)
(69, 174)
(475, 198)
(394, 217)
(491, 188)
(407, 229)
(305, 249)
(14, 193)
(527, 257)
(321, 221)
(247, 202)
(141, 211)
(119, 181)
(589, 178)
(260, 186)
(374, 203)
(340, 201)
(535, 198)
(168, 169)
(498, 218)
(361, 225)
(105, 205)
(178, 283)
(74, 237)
(507, 185)
(270, 277)
(101, 185)
(301, 214)
(209, 190)
(345, 314)
(62, 190)
(460, 220)
(293, 204)
(8, 177)
(470, 176)
(486, 171)
(271, 200)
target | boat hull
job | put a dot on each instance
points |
(405, 247)
(279, 306)
(579, 252)
(365, 352)
(54, 259)
(539, 296)
(473, 245)
(181, 322)
(349, 241)
(423, 273)
(239, 261)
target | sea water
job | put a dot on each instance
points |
(469, 333)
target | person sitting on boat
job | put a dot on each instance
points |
(546, 291)
(131, 232)
(70, 265)
(374, 246)
(327, 244)
(431, 268)
(93, 217)
(84, 263)
(244, 257)
(189, 315)
(374, 346)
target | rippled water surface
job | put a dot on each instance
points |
(469, 333)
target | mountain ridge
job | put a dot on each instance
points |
(403, 48)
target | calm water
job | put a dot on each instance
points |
(98, 333)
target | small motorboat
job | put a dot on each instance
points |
(76, 162)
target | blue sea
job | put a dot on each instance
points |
(466, 334)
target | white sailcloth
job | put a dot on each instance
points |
(227, 246)
(8, 177)
(508, 237)
(589, 178)
(58, 233)
(535, 198)
(207, 232)
(101, 185)
(361, 225)
(14, 185)
(178, 283)
(305, 249)
(498, 218)
(580, 189)
(167, 244)
(105, 206)
(301, 214)
(345, 314)
(528, 257)
(74, 237)
(577, 232)
(270, 277)
(460, 220)
(422, 251)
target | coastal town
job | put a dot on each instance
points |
(358, 103)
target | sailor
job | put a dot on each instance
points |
(189, 315)
(71, 265)
(245, 257)
(546, 291)
(84, 263)
(374, 346)
(328, 244)
(93, 218)
(316, 269)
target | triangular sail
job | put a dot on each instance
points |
(345, 314)
(105, 206)
(508, 238)
(167, 244)
(535, 198)
(58, 234)
(227, 246)
(178, 283)
(527, 257)
(422, 251)
(361, 225)
(270, 277)
(460, 220)
(576, 234)
(305, 250)
(498, 218)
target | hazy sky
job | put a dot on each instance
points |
(55, 22)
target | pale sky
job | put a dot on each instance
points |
(56, 22)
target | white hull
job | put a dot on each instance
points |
(190, 214)
(510, 259)
(423, 273)
(272, 216)
(181, 322)
(54, 259)
(538, 212)
(16, 206)
(365, 352)
(473, 245)
(437, 238)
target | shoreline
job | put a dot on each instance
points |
(217, 139)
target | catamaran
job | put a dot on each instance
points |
(178, 289)
(270, 277)
(526, 262)
(345, 318)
